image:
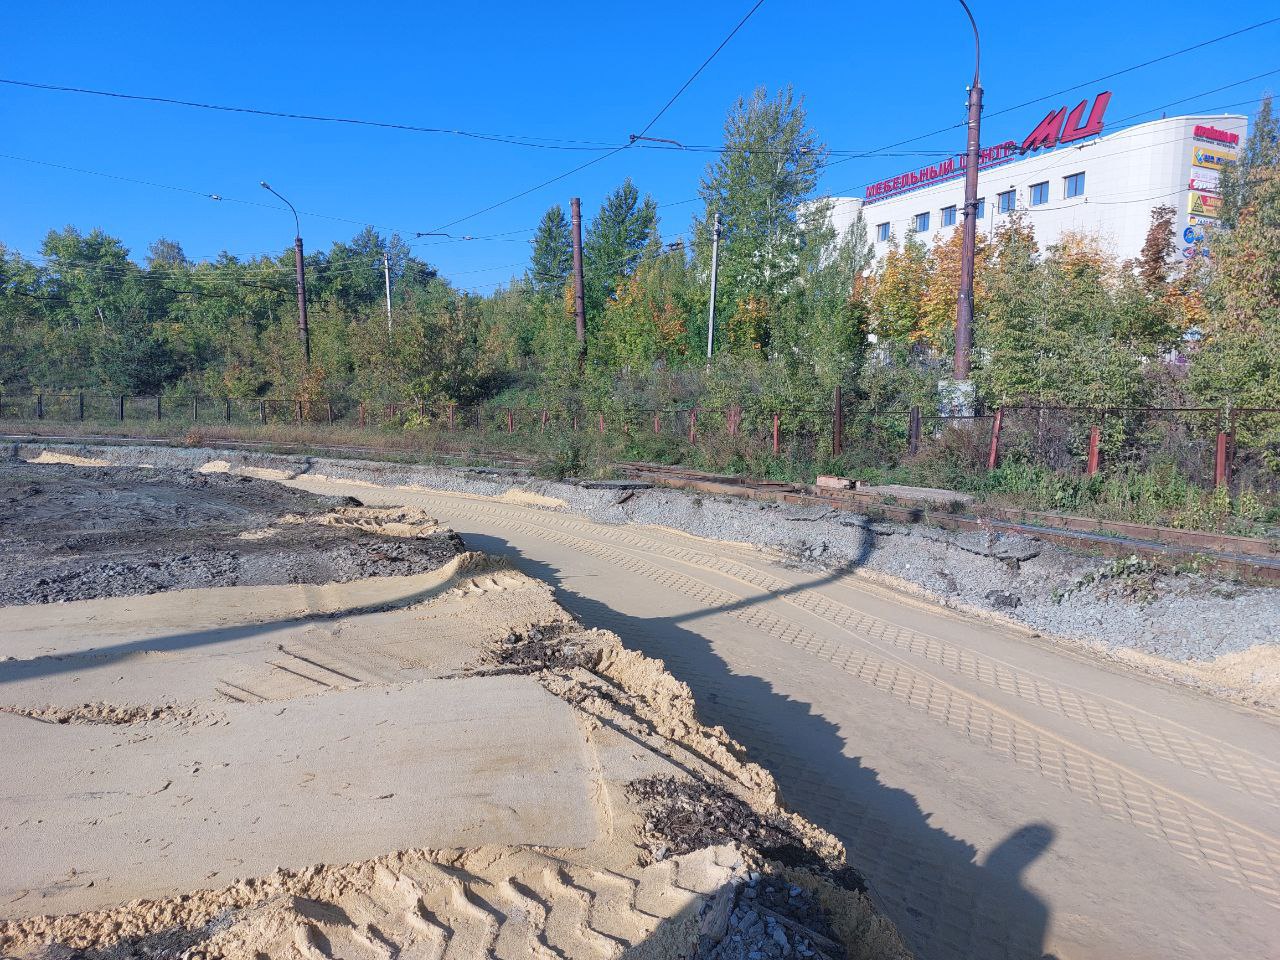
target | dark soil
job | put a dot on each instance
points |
(76, 533)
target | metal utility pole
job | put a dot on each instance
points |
(386, 275)
(579, 304)
(964, 303)
(715, 265)
(304, 332)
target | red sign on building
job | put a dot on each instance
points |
(1058, 127)
(1052, 131)
(1216, 135)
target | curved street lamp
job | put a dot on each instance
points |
(964, 302)
(304, 333)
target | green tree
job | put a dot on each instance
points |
(614, 243)
(552, 257)
(760, 185)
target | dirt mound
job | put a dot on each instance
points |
(75, 533)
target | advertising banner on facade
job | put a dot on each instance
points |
(1209, 180)
(1212, 158)
(1204, 205)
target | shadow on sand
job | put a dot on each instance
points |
(945, 903)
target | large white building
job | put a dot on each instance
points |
(1066, 176)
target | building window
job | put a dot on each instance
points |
(948, 216)
(921, 222)
(1073, 186)
(982, 207)
(882, 233)
(1007, 201)
(1039, 193)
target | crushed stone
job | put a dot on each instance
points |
(1174, 613)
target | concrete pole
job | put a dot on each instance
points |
(386, 276)
(715, 264)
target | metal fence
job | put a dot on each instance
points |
(1211, 446)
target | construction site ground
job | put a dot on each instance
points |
(1004, 795)
(441, 763)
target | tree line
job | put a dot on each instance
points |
(799, 309)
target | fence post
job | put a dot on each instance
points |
(262, 410)
(452, 406)
(122, 408)
(328, 411)
(657, 422)
(575, 423)
(195, 409)
(601, 416)
(39, 406)
(776, 419)
(361, 421)
(298, 411)
(227, 410)
(913, 432)
(993, 455)
(158, 412)
(511, 420)
(1220, 461)
(1095, 440)
(693, 425)
(544, 419)
(81, 398)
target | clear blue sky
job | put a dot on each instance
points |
(872, 74)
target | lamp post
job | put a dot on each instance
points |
(963, 392)
(303, 332)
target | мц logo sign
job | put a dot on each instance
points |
(1062, 127)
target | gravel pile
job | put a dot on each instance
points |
(772, 919)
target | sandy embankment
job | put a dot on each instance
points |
(389, 766)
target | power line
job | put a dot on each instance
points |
(693, 76)
(616, 150)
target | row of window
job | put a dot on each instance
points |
(1006, 202)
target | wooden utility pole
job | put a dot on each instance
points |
(579, 304)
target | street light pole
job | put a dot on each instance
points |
(304, 333)
(964, 302)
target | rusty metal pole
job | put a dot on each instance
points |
(776, 424)
(304, 332)
(993, 454)
(964, 302)
(122, 408)
(693, 425)
(39, 406)
(579, 302)
(1095, 441)
(81, 398)
(913, 432)
(601, 422)
(227, 411)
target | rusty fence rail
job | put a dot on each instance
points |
(1209, 444)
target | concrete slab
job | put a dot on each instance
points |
(110, 813)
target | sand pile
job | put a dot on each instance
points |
(445, 764)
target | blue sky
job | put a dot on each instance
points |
(871, 75)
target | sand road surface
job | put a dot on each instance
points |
(445, 764)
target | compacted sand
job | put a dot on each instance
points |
(231, 760)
